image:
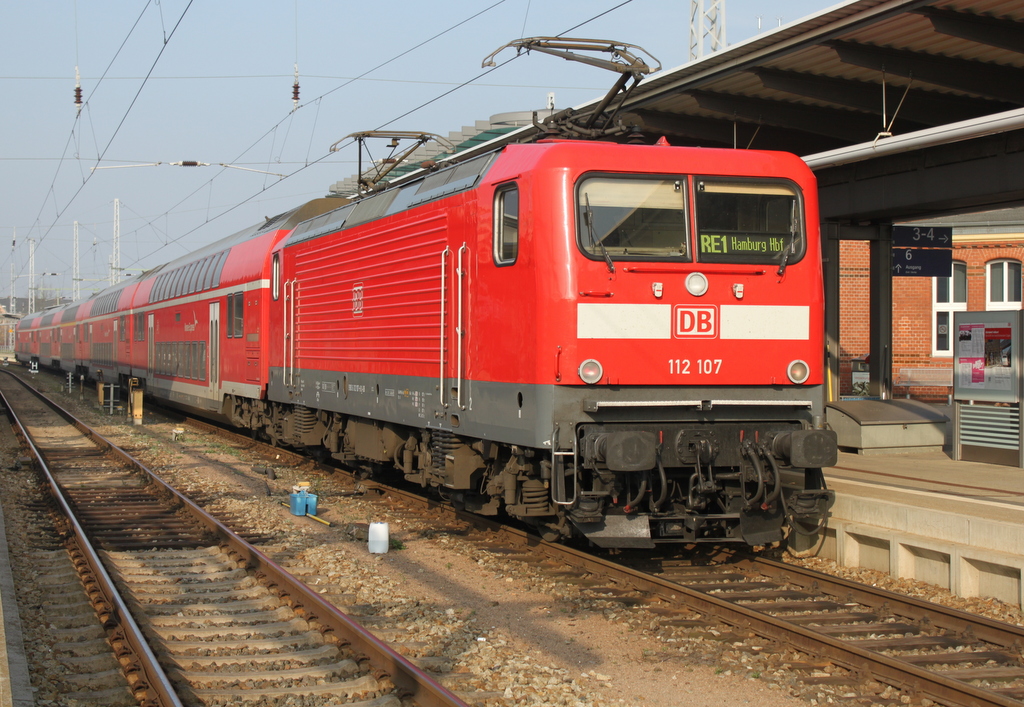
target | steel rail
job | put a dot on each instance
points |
(863, 663)
(982, 627)
(414, 682)
(157, 686)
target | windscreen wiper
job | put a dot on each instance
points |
(791, 248)
(594, 241)
(785, 259)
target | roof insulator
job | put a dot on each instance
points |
(78, 91)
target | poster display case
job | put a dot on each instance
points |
(987, 387)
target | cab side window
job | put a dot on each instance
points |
(275, 277)
(506, 225)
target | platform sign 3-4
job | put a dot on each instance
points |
(922, 236)
(922, 251)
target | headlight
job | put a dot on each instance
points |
(696, 284)
(798, 371)
(590, 371)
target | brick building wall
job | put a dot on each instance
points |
(854, 300)
(912, 312)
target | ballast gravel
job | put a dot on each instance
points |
(511, 634)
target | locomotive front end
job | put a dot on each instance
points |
(691, 407)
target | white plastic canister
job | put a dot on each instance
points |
(378, 538)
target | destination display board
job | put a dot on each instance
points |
(742, 247)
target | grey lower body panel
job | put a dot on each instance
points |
(529, 415)
(506, 412)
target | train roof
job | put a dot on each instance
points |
(106, 300)
(427, 185)
(283, 221)
(203, 269)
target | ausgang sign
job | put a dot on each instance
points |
(922, 251)
(922, 262)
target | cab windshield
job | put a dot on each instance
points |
(748, 222)
(623, 218)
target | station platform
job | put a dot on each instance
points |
(15, 685)
(922, 515)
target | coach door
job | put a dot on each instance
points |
(214, 347)
(150, 347)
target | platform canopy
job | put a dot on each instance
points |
(861, 81)
(846, 75)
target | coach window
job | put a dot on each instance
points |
(190, 283)
(193, 273)
(1004, 285)
(624, 218)
(204, 275)
(275, 277)
(950, 295)
(228, 331)
(236, 316)
(506, 225)
(239, 320)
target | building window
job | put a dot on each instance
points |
(1003, 286)
(949, 295)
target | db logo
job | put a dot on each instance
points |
(357, 299)
(696, 321)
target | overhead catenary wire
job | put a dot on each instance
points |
(403, 115)
(50, 191)
(317, 101)
(383, 125)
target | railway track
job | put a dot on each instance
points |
(195, 614)
(828, 629)
(824, 629)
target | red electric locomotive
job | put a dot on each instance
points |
(619, 342)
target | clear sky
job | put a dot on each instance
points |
(211, 81)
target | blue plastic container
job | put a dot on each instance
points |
(311, 504)
(298, 503)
